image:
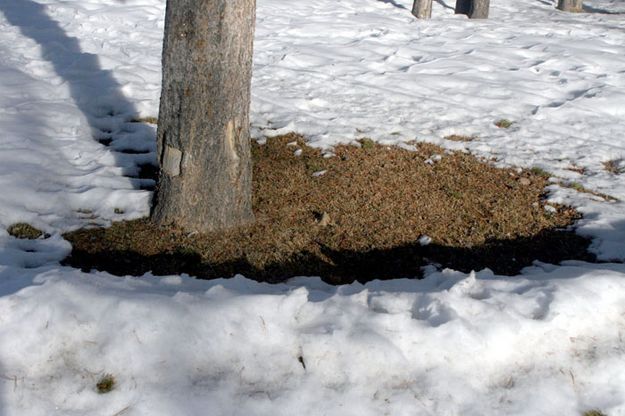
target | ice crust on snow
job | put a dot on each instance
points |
(547, 342)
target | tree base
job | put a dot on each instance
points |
(474, 9)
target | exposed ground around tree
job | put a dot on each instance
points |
(362, 219)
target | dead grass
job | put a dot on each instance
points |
(540, 172)
(366, 143)
(504, 123)
(25, 231)
(460, 138)
(577, 169)
(106, 384)
(614, 166)
(580, 188)
(594, 413)
(362, 219)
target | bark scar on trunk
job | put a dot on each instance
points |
(172, 158)
(231, 149)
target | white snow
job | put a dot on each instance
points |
(549, 341)
(425, 240)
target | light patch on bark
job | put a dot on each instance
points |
(231, 150)
(171, 161)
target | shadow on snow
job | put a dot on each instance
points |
(96, 93)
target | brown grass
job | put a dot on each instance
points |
(361, 220)
(460, 138)
(577, 169)
(24, 231)
(580, 188)
(594, 413)
(614, 166)
(504, 123)
(106, 384)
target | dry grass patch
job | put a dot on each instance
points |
(577, 169)
(504, 123)
(540, 172)
(366, 143)
(106, 384)
(24, 231)
(460, 138)
(614, 166)
(361, 220)
(580, 188)
(594, 413)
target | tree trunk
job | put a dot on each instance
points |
(422, 9)
(475, 9)
(575, 6)
(203, 127)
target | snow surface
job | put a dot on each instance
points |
(547, 342)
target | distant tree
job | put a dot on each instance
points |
(203, 129)
(422, 9)
(570, 5)
(475, 9)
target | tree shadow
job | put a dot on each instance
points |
(445, 5)
(98, 95)
(401, 6)
(591, 9)
(394, 3)
(5, 382)
(586, 8)
(504, 257)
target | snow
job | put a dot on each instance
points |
(424, 240)
(549, 341)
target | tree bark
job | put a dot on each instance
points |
(203, 128)
(575, 6)
(422, 9)
(475, 9)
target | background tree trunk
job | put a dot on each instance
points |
(422, 9)
(475, 9)
(203, 128)
(570, 5)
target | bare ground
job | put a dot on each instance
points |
(361, 220)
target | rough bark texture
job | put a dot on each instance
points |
(203, 128)
(475, 9)
(570, 5)
(422, 9)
